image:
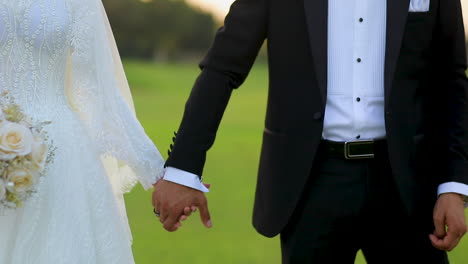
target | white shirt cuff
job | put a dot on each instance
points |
(184, 178)
(453, 187)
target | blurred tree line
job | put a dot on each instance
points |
(160, 29)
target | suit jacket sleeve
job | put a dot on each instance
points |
(452, 62)
(225, 68)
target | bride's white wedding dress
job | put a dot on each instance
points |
(59, 61)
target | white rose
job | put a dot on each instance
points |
(22, 180)
(3, 190)
(39, 153)
(15, 140)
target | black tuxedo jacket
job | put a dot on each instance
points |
(426, 98)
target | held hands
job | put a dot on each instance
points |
(449, 220)
(175, 203)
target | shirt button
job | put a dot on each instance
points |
(358, 60)
(358, 99)
(361, 19)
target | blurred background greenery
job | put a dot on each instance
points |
(162, 42)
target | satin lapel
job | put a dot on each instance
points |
(397, 12)
(317, 22)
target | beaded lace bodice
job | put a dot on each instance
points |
(35, 37)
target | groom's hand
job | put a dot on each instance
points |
(171, 200)
(449, 221)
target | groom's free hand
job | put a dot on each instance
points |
(449, 222)
(172, 200)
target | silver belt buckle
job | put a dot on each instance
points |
(350, 144)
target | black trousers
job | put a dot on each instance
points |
(352, 205)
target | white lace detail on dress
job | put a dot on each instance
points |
(35, 38)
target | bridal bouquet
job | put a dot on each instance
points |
(25, 152)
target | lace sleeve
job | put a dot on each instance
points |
(97, 89)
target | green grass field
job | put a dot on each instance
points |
(160, 92)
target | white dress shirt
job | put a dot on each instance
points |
(356, 59)
(355, 92)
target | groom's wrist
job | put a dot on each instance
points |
(184, 178)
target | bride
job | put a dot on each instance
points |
(58, 59)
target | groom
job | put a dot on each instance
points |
(366, 136)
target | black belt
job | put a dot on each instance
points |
(355, 150)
